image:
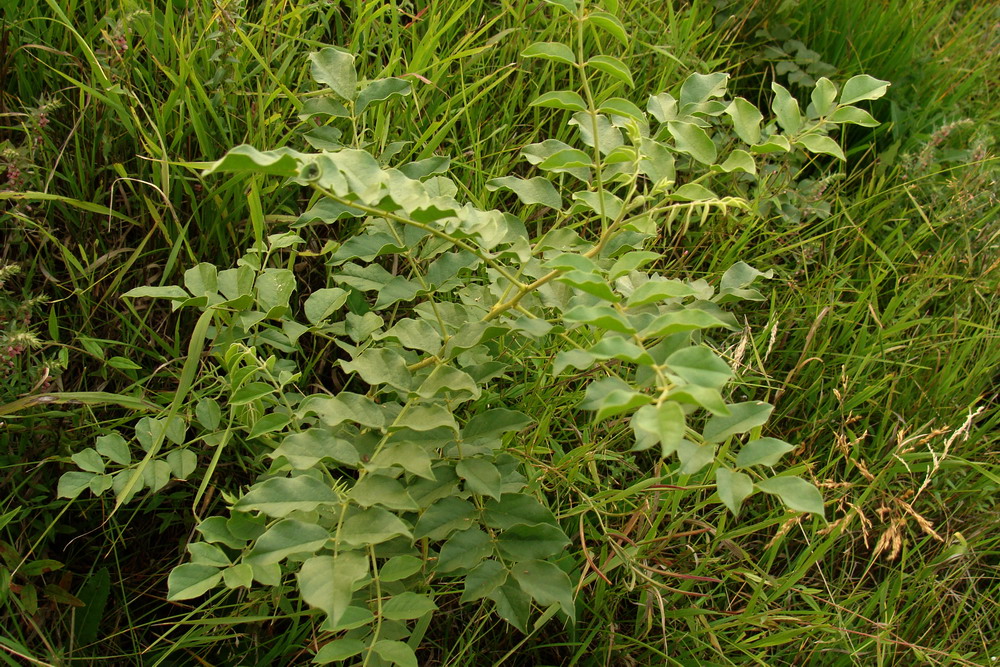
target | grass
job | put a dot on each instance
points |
(879, 345)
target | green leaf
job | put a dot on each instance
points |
(776, 143)
(324, 302)
(743, 417)
(123, 364)
(281, 162)
(786, 109)
(335, 69)
(489, 426)
(556, 51)
(657, 163)
(483, 580)
(464, 550)
(400, 567)
(704, 397)
(114, 448)
(698, 365)
(304, 450)
(569, 160)
(739, 160)
(591, 283)
(274, 288)
(430, 417)
(762, 451)
(480, 477)
(537, 190)
(621, 107)
(560, 99)
(280, 496)
(407, 606)
(73, 483)
(694, 457)
(604, 317)
(515, 509)
(168, 292)
(670, 427)
(250, 393)
(698, 88)
(862, 87)
(692, 192)
(849, 114)
(323, 106)
(100, 483)
(396, 652)
(616, 347)
(513, 604)
(614, 67)
(344, 407)
(666, 422)
(379, 91)
(208, 413)
(380, 365)
(202, 280)
(609, 24)
(216, 529)
(817, 143)
(353, 617)
(530, 542)
(632, 261)
(182, 462)
(608, 137)
(619, 401)
(547, 584)
(662, 107)
(688, 319)
(338, 649)
(444, 517)
(746, 120)
(659, 289)
(204, 553)
(375, 489)
(285, 538)
(238, 576)
(269, 423)
(410, 456)
(450, 382)
(570, 6)
(824, 96)
(733, 488)
(327, 582)
(691, 139)
(373, 526)
(796, 493)
(191, 580)
(88, 459)
(603, 203)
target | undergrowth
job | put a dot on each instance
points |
(359, 342)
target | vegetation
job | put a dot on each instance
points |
(468, 333)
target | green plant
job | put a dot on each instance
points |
(401, 471)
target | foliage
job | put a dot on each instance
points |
(403, 477)
(876, 345)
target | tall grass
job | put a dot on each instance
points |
(880, 343)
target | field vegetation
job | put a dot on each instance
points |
(499, 332)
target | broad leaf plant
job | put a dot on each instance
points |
(369, 495)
